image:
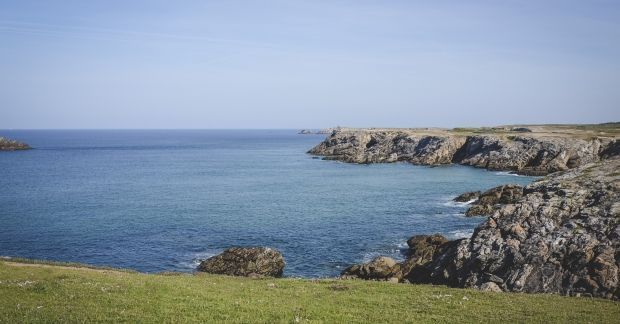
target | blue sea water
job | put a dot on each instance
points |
(161, 200)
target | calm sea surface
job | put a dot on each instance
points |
(162, 200)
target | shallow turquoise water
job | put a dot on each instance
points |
(162, 200)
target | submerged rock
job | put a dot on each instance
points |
(247, 262)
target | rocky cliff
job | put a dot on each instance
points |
(560, 234)
(539, 151)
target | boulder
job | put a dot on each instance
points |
(246, 262)
(422, 248)
(380, 268)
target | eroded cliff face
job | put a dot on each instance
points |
(531, 154)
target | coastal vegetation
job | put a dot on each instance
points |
(38, 292)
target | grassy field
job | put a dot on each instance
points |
(52, 293)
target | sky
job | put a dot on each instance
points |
(307, 64)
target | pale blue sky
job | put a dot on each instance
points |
(307, 64)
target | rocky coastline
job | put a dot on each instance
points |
(538, 151)
(12, 145)
(560, 234)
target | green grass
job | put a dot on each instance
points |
(32, 293)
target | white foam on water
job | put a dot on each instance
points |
(394, 252)
(452, 203)
(196, 258)
(508, 173)
(459, 234)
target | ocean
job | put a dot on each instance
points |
(162, 200)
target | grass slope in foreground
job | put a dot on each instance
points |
(31, 292)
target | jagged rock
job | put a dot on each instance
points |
(247, 262)
(380, 268)
(487, 201)
(562, 236)
(12, 145)
(527, 153)
(468, 196)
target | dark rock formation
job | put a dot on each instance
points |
(247, 262)
(613, 149)
(468, 196)
(521, 130)
(486, 202)
(526, 153)
(12, 145)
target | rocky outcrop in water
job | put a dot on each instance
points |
(247, 262)
(524, 153)
(561, 236)
(468, 196)
(12, 145)
(488, 200)
(422, 249)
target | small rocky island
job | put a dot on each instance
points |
(12, 145)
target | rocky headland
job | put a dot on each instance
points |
(560, 234)
(531, 150)
(12, 145)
